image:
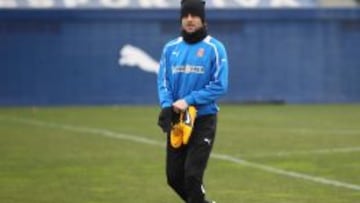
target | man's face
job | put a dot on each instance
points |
(191, 23)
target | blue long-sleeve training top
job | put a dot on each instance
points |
(196, 72)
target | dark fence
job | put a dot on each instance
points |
(60, 57)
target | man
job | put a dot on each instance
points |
(193, 73)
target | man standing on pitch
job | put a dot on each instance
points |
(193, 74)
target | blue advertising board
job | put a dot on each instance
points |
(74, 57)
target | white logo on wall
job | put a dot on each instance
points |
(135, 57)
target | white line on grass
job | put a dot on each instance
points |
(324, 129)
(306, 152)
(304, 131)
(287, 173)
(224, 157)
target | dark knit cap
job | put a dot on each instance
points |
(193, 7)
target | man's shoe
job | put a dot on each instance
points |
(176, 136)
(187, 121)
(181, 132)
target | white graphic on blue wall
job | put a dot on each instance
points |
(132, 56)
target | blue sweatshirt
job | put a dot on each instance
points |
(196, 72)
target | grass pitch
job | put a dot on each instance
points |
(262, 154)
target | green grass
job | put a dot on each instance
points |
(60, 155)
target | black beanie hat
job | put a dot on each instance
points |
(194, 7)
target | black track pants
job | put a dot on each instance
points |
(185, 166)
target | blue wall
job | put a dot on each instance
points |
(59, 57)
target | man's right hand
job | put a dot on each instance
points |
(165, 119)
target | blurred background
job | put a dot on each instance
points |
(72, 70)
(60, 52)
